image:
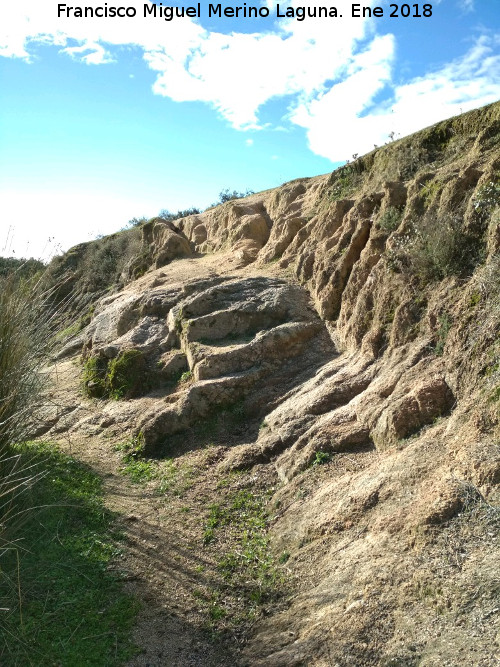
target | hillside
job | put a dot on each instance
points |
(309, 378)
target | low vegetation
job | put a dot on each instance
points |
(390, 219)
(435, 248)
(60, 602)
(250, 576)
(228, 195)
(124, 376)
(20, 268)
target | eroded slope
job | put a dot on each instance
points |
(355, 318)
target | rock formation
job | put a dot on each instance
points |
(354, 315)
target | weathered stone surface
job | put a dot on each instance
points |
(299, 306)
(430, 399)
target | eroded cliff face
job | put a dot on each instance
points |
(352, 319)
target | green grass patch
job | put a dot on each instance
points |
(321, 458)
(60, 603)
(175, 478)
(137, 468)
(237, 529)
(140, 472)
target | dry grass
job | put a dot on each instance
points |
(25, 338)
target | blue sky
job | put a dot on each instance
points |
(105, 119)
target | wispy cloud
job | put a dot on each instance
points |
(466, 5)
(334, 72)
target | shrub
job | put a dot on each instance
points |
(344, 180)
(92, 267)
(434, 249)
(136, 222)
(169, 216)
(389, 220)
(105, 259)
(487, 197)
(20, 268)
(228, 195)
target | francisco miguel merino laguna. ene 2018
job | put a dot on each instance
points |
(217, 10)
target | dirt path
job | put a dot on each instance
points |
(184, 619)
(190, 614)
(162, 561)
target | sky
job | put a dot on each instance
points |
(103, 119)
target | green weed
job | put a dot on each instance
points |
(247, 566)
(389, 220)
(186, 377)
(429, 192)
(321, 458)
(138, 469)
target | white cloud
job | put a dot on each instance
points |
(466, 5)
(249, 142)
(91, 53)
(335, 70)
(236, 73)
(464, 84)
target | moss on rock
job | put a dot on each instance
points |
(125, 376)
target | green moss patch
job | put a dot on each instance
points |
(125, 376)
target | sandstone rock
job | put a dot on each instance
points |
(428, 400)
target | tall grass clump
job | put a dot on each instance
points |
(24, 342)
(59, 604)
(25, 333)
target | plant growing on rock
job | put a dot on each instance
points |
(487, 197)
(389, 220)
(186, 377)
(94, 376)
(228, 195)
(125, 376)
(433, 249)
(321, 458)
